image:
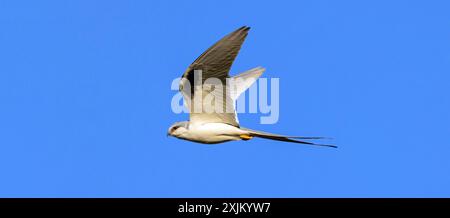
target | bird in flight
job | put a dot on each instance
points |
(217, 122)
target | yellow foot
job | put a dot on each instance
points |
(246, 137)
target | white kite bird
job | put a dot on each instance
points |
(216, 121)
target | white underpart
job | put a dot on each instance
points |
(211, 133)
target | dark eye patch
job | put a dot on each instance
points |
(174, 128)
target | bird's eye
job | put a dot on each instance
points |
(174, 128)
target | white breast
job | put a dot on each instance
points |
(211, 133)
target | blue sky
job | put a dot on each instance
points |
(85, 98)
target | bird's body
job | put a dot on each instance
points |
(212, 122)
(211, 133)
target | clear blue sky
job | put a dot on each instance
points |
(85, 98)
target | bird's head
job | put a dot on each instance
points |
(178, 129)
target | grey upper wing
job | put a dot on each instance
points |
(217, 60)
(213, 63)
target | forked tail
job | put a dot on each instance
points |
(254, 133)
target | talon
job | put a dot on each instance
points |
(246, 137)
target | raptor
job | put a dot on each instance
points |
(212, 122)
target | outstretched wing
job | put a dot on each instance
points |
(204, 95)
